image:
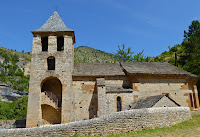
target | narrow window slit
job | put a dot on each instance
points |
(60, 43)
(44, 41)
(119, 104)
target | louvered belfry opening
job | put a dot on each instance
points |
(60, 43)
(44, 41)
(51, 63)
(119, 104)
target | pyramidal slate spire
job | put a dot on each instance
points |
(53, 24)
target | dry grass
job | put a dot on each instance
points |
(190, 128)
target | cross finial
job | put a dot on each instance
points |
(56, 8)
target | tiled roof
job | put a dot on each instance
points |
(53, 24)
(111, 69)
(148, 102)
(98, 69)
(153, 68)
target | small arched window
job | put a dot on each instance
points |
(51, 63)
(119, 104)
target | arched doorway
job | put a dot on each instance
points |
(51, 100)
(50, 115)
(53, 87)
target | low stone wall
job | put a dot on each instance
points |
(8, 124)
(125, 121)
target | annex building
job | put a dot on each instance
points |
(62, 91)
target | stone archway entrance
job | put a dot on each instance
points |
(51, 100)
(53, 87)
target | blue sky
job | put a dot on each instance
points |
(149, 25)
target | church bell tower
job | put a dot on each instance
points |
(52, 63)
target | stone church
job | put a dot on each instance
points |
(62, 91)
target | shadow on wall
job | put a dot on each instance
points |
(20, 124)
(198, 88)
(93, 104)
(50, 115)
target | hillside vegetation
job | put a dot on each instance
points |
(12, 64)
(169, 56)
(84, 54)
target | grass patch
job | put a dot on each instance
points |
(190, 128)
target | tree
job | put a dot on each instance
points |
(15, 110)
(20, 108)
(191, 44)
(126, 54)
(139, 57)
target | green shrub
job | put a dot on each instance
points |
(16, 110)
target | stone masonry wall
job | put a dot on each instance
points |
(8, 124)
(87, 94)
(84, 99)
(177, 89)
(124, 121)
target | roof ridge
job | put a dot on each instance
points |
(94, 63)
